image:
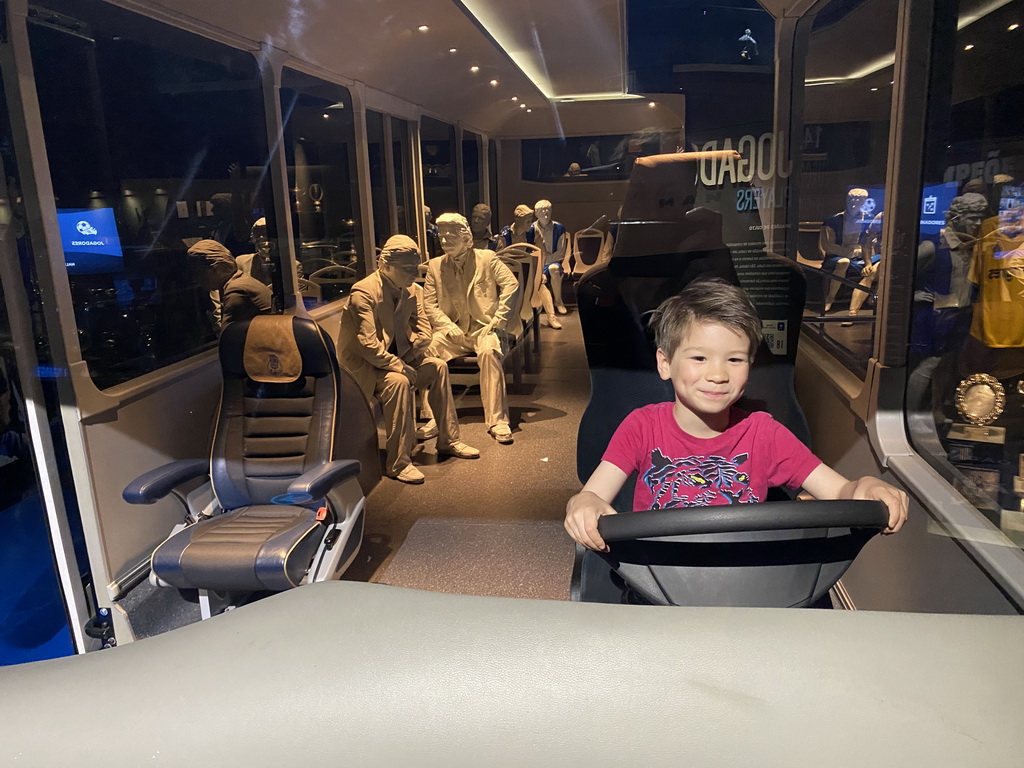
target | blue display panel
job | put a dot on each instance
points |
(935, 200)
(90, 240)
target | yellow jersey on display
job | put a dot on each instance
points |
(998, 271)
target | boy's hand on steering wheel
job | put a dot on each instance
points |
(895, 500)
(581, 516)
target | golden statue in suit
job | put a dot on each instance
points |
(468, 295)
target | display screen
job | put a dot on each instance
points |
(90, 240)
(935, 201)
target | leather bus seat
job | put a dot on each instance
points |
(289, 508)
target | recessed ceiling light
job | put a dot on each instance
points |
(515, 98)
(968, 46)
(1012, 27)
(474, 69)
(453, 50)
(874, 89)
(651, 104)
(326, 116)
(529, 110)
(423, 27)
(522, 106)
(494, 82)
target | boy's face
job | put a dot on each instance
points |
(708, 370)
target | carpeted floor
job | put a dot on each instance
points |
(521, 558)
(528, 481)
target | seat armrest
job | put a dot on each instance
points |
(157, 483)
(318, 481)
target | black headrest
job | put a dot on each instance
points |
(315, 348)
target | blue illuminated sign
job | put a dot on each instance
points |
(90, 240)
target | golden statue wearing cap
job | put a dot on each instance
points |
(383, 343)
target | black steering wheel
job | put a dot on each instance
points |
(771, 554)
(739, 518)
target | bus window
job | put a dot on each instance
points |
(471, 170)
(156, 139)
(965, 397)
(319, 143)
(842, 184)
(378, 177)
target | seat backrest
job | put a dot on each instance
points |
(530, 257)
(285, 408)
(663, 244)
(587, 251)
(521, 272)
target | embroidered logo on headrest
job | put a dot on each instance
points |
(273, 364)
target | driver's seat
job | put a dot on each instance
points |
(794, 554)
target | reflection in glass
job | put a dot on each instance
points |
(847, 111)
(590, 158)
(437, 149)
(156, 140)
(378, 177)
(402, 159)
(492, 172)
(319, 143)
(33, 617)
(965, 396)
(471, 170)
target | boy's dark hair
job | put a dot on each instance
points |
(710, 300)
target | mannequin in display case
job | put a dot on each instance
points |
(480, 224)
(384, 342)
(468, 297)
(842, 244)
(551, 237)
(942, 294)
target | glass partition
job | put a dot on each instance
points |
(402, 159)
(471, 185)
(378, 177)
(437, 148)
(492, 172)
(847, 110)
(589, 158)
(156, 140)
(965, 398)
(319, 142)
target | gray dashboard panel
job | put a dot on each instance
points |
(369, 675)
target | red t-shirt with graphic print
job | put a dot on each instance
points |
(675, 469)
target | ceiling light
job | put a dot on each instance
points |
(423, 27)
(522, 106)
(494, 82)
(874, 89)
(474, 69)
(453, 50)
(529, 110)
(515, 98)
(1012, 27)
(968, 46)
(651, 104)
(326, 115)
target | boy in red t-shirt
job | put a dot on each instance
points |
(700, 450)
